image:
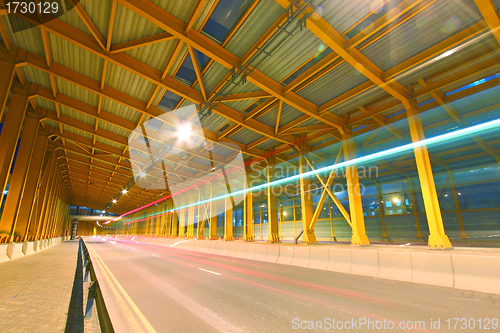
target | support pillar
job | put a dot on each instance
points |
(381, 209)
(10, 133)
(456, 202)
(308, 235)
(191, 214)
(174, 221)
(202, 214)
(18, 180)
(228, 220)
(272, 203)
(43, 196)
(353, 190)
(7, 68)
(182, 218)
(212, 222)
(415, 213)
(248, 226)
(437, 235)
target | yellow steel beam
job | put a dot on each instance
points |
(490, 14)
(141, 42)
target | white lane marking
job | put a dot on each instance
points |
(177, 243)
(205, 270)
(154, 255)
(112, 242)
(133, 238)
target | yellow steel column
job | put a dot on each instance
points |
(174, 218)
(182, 217)
(202, 214)
(272, 203)
(457, 204)
(212, 222)
(354, 192)
(168, 220)
(51, 204)
(191, 211)
(308, 235)
(43, 195)
(415, 213)
(53, 210)
(7, 68)
(18, 180)
(248, 226)
(8, 138)
(381, 208)
(437, 235)
(228, 220)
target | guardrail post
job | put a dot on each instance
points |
(90, 299)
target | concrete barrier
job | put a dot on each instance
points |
(432, 268)
(260, 252)
(301, 256)
(477, 272)
(340, 260)
(29, 248)
(318, 257)
(285, 255)
(225, 249)
(250, 251)
(364, 262)
(395, 265)
(3, 252)
(15, 250)
(218, 247)
(211, 247)
(273, 253)
(241, 250)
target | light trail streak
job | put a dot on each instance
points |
(359, 160)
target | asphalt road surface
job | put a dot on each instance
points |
(182, 291)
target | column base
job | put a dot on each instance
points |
(228, 238)
(248, 239)
(212, 238)
(440, 242)
(274, 239)
(360, 240)
(309, 238)
(463, 234)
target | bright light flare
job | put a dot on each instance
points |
(184, 131)
(124, 191)
(114, 200)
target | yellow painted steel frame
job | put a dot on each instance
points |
(353, 190)
(228, 220)
(308, 236)
(437, 236)
(191, 214)
(415, 213)
(272, 202)
(248, 225)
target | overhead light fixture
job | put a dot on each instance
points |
(5, 192)
(114, 200)
(142, 175)
(104, 212)
(124, 191)
(184, 131)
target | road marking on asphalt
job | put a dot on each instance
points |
(121, 303)
(206, 270)
(177, 243)
(131, 303)
(155, 255)
(112, 242)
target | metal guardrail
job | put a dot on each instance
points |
(94, 294)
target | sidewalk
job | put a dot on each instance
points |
(36, 292)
